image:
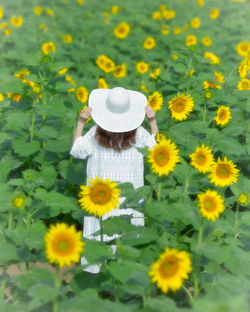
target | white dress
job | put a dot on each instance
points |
(124, 166)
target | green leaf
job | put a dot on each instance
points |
(231, 146)
(30, 148)
(139, 236)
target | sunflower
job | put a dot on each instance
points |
(48, 47)
(82, 94)
(223, 172)
(18, 201)
(63, 71)
(200, 3)
(67, 38)
(1, 12)
(108, 66)
(168, 14)
(142, 67)
(243, 48)
(195, 22)
(100, 197)
(149, 43)
(155, 73)
(70, 80)
(219, 77)
(157, 15)
(190, 40)
(202, 158)
(1, 97)
(38, 10)
(211, 204)
(206, 41)
(243, 198)
(22, 73)
(223, 115)
(242, 69)
(63, 244)
(122, 30)
(163, 157)
(17, 21)
(170, 270)
(160, 137)
(181, 106)
(165, 30)
(208, 84)
(50, 12)
(102, 83)
(114, 9)
(120, 71)
(214, 58)
(144, 88)
(177, 30)
(244, 84)
(155, 100)
(214, 13)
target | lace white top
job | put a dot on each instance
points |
(124, 166)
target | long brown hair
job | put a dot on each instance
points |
(117, 141)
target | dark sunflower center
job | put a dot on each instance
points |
(169, 267)
(100, 194)
(162, 158)
(179, 106)
(63, 245)
(245, 85)
(222, 115)
(223, 171)
(201, 159)
(121, 30)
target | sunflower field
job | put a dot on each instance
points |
(191, 59)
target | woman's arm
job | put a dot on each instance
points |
(84, 115)
(150, 113)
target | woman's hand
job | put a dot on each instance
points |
(85, 114)
(150, 113)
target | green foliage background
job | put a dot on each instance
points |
(36, 137)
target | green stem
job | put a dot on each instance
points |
(159, 192)
(101, 228)
(117, 291)
(236, 219)
(188, 293)
(187, 180)
(28, 221)
(57, 286)
(168, 124)
(150, 195)
(197, 262)
(204, 111)
(3, 283)
(32, 127)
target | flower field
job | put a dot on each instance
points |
(191, 58)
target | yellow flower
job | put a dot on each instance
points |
(71, 90)
(122, 30)
(223, 115)
(219, 77)
(157, 15)
(160, 137)
(177, 30)
(163, 7)
(105, 63)
(70, 80)
(17, 21)
(243, 198)
(100, 197)
(50, 12)
(15, 96)
(48, 47)
(1, 12)
(242, 69)
(181, 106)
(115, 9)
(170, 270)
(18, 201)
(207, 41)
(165, 30)
(223, 172)
(7, 30)
(80, 2)
(168, 14)
(149, 43)
(211, 204)
(200, 3)
(43, 27)
(175, 57)
(214, 13)
(22, 73)
(67, 38)
(214, 59)
(144, 88)
(142, 67)
(155, 73)
(63, 71)
(102, 84)
(155, 100)
(82, 94)
(244, 84)
(208, 95)
(190, 40)
(163, 157)
(120, 71)
(190, 73)
(243, 48)
(1, 97)
(38, 10)
(63, 244)
(207, 84)
(195, 22)
(202, 158)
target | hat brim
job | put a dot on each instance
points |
(109, 121)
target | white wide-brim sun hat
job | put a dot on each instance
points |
(117, 109)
